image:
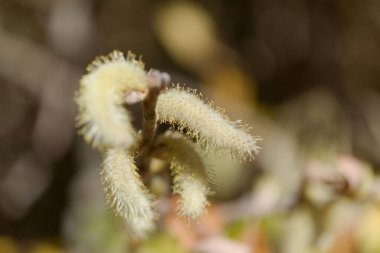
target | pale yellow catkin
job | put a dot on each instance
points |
(102, 119)
(126, 193)
(190, 176)
(211, 128)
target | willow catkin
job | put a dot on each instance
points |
(211, 128)
(191, 178)
(102, 119)
(126, 193)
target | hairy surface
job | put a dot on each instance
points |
(102, 118)
(211, 128)
(191, 177)
(126, 193)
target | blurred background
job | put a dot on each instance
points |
(305, 74)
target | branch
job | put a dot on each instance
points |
(157, 81)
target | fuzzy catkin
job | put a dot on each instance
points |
(191, 180)
(126, 193)
(211, 128)
(102, 119)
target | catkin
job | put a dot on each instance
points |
(126, 193)
(191, 178)
(211, 128)
(102, 118)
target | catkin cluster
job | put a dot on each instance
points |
(105, 123)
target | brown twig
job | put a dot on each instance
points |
(157, 81)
